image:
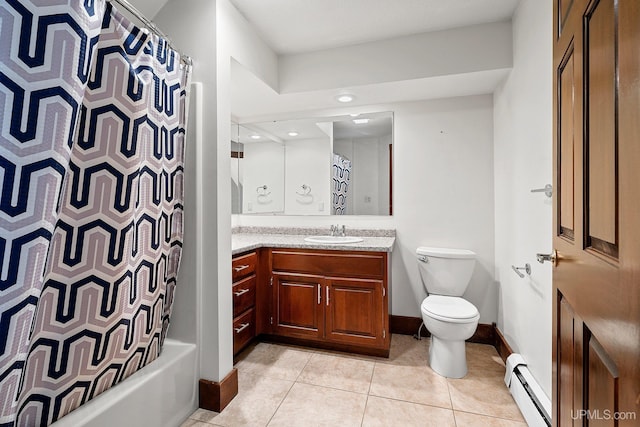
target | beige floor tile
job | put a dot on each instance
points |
(465, 419)
(195, 423)
(401, 387)
(485, 395)
(308, 405)
(339, 372)
(483, 390)
(382, 412)
(257, 400)
(417, 384)
(202, 415)
(274, 361)
(407, 351)
(354, 356)
(482, 358)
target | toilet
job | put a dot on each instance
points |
(450, 319)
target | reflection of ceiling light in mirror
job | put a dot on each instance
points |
(345, 98)
(361, 121)
(293, 133)
(255, 136)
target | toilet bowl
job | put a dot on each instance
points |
(451, 321)
(445, 274)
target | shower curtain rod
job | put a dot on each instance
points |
(152, 27)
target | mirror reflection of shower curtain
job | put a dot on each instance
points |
(341, 171)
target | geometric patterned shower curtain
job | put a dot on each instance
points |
(92, 202)
(341, 175)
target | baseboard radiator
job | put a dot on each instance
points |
(527, 393)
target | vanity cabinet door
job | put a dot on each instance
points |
(355, 311)
(298, 305)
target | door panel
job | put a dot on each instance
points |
(567, 356)
(298, 303)
(596, 348)
(354, 310)
(563, 12)
(566, 92)
(601, 132)
(602, 390)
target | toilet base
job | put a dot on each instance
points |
(448, 358)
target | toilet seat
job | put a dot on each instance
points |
(449, 309)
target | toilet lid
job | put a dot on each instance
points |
(446, 307)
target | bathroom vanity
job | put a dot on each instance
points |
(243, 274)
(328, 296)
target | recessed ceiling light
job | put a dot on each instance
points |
(255, 136)
(293, 133)
(345, 97)
(361, 121)
(354, 114)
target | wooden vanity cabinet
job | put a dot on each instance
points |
(298, 310)
(243, 273)
(334, 299)
(354, 311)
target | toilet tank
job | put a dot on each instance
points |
(445, 271)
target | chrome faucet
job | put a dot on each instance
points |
(336, 230)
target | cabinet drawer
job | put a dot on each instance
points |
(244, 295)
(349, 264)
(243, 266)
(244, 329)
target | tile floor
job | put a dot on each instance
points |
(289, 386)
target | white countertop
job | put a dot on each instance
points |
(243, 241)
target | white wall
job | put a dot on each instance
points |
(383, 178)
(201, 231)
(523, 158)
(443, 195)
(211, 32)
(307, 162)
(263, 164)
(365, 179)
(438, 53)
(368, 192)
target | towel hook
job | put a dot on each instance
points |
(547, 190)
(306, 189)
(526, 268)
(262, 190)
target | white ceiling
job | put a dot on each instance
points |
(295, 26)
(149, 8)
(379, 124)
(253, 100)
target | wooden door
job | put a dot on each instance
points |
(299, 310)
(596, 307)
(354, 311)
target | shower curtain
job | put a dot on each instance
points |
(341, 177)
(91, 167)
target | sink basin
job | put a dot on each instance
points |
(333, 240)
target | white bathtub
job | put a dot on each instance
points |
(162, 394)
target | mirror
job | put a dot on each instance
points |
(339, 165)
